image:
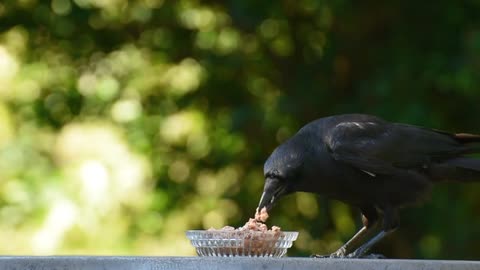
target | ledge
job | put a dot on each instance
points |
(211, 263)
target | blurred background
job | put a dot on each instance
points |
(125, 123)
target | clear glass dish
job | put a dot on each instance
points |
(222, 243)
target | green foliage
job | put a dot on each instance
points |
(125, 123)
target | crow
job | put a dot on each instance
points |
(371, 164)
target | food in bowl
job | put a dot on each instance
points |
(254, 239)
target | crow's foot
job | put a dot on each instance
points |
(349, 256)
(339, 254)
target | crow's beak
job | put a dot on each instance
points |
(266, 201)
(272, 190)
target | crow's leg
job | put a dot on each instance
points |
(370, 222)
(362, 250)
(370, 226)
(390, 223)
(343, 250)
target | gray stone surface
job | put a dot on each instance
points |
(210, 263)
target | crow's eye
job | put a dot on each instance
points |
(275, 175)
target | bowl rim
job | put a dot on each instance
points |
(237, 235)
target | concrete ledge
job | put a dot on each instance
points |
(211, 263)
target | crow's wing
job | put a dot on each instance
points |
(378, 147)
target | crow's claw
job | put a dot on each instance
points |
(374, 256)
(319, 256)
(355, 255)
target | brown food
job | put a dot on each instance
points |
(261, 215)
(252, 225)
(258, 239)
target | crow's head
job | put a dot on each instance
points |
(283, 172)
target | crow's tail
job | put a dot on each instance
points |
(460, 168)
(471, 142)
(466, 138)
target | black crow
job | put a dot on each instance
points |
(369, 163)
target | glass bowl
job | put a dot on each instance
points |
(232, 243)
